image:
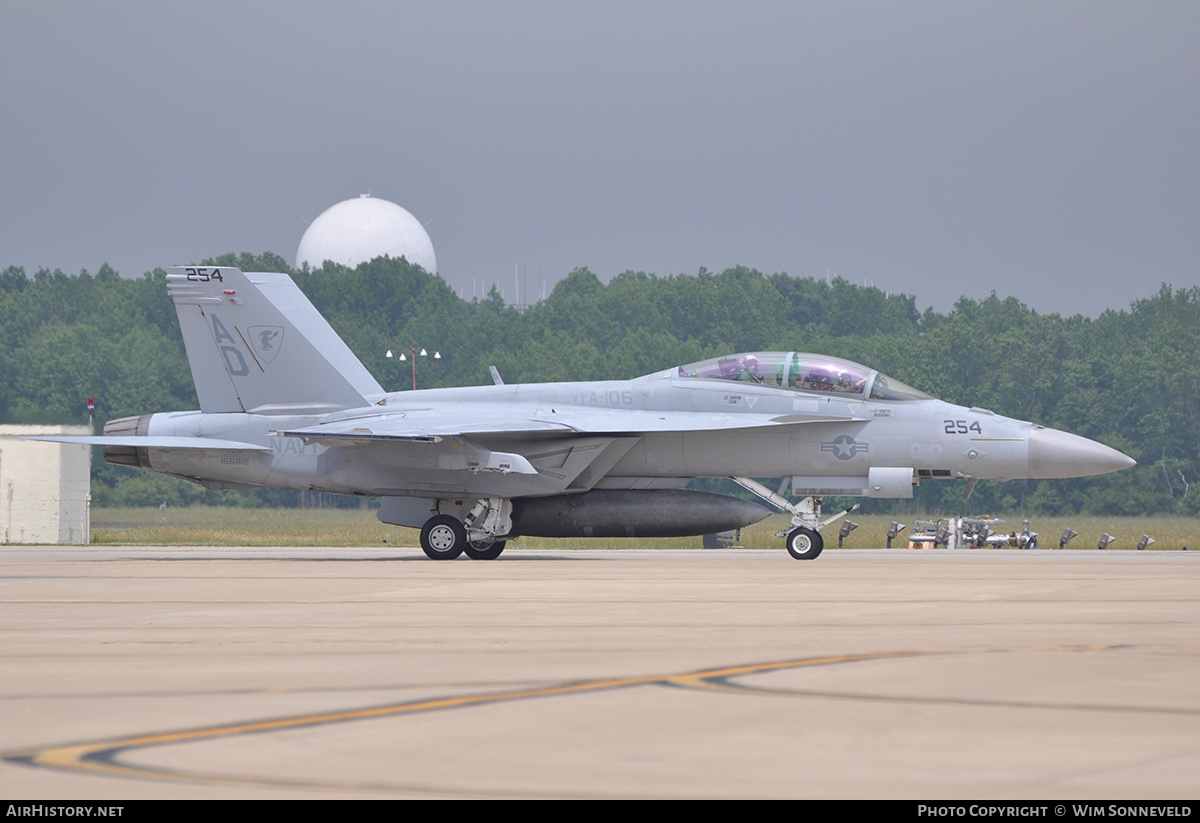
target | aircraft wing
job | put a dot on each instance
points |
(619, 421)
(558, 447)
(429, 427)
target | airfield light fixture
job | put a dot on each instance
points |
(1067, 536)
(893, 531)
(1144, 542)
(1105, 539)
(844, 532)
(437, 355)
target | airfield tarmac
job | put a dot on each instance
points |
(250, 672)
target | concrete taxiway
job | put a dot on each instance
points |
(250, 672)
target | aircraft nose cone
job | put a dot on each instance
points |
(1054, 453)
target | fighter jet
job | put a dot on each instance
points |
(285, 403)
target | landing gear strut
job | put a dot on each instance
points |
(803, 538)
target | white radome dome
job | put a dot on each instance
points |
(361, 229)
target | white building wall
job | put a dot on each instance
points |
(45, 488)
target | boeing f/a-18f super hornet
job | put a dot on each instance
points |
(284, 402)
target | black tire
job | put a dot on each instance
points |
(484, 549)
(804, 544)
(443, 537)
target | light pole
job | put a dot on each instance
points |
(437, 355)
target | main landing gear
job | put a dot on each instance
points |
(445, 537)
(484, 549)
(803, 539)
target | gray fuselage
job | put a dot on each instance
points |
(833, 444)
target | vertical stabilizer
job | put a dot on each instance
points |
(256, 344)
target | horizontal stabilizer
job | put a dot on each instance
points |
(157, 442)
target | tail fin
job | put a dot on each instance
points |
(256, 344)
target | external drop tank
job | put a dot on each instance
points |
(633, 513)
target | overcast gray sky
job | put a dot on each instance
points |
(1046, 150)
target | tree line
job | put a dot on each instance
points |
(1128, 378)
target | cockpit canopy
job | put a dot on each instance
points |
(800, 371)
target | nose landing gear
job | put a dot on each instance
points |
(803, 540)
(804, 543)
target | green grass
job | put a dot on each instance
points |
(217, 526)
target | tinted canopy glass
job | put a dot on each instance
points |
(801, 371)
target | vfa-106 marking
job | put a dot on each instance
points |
(284, 402)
